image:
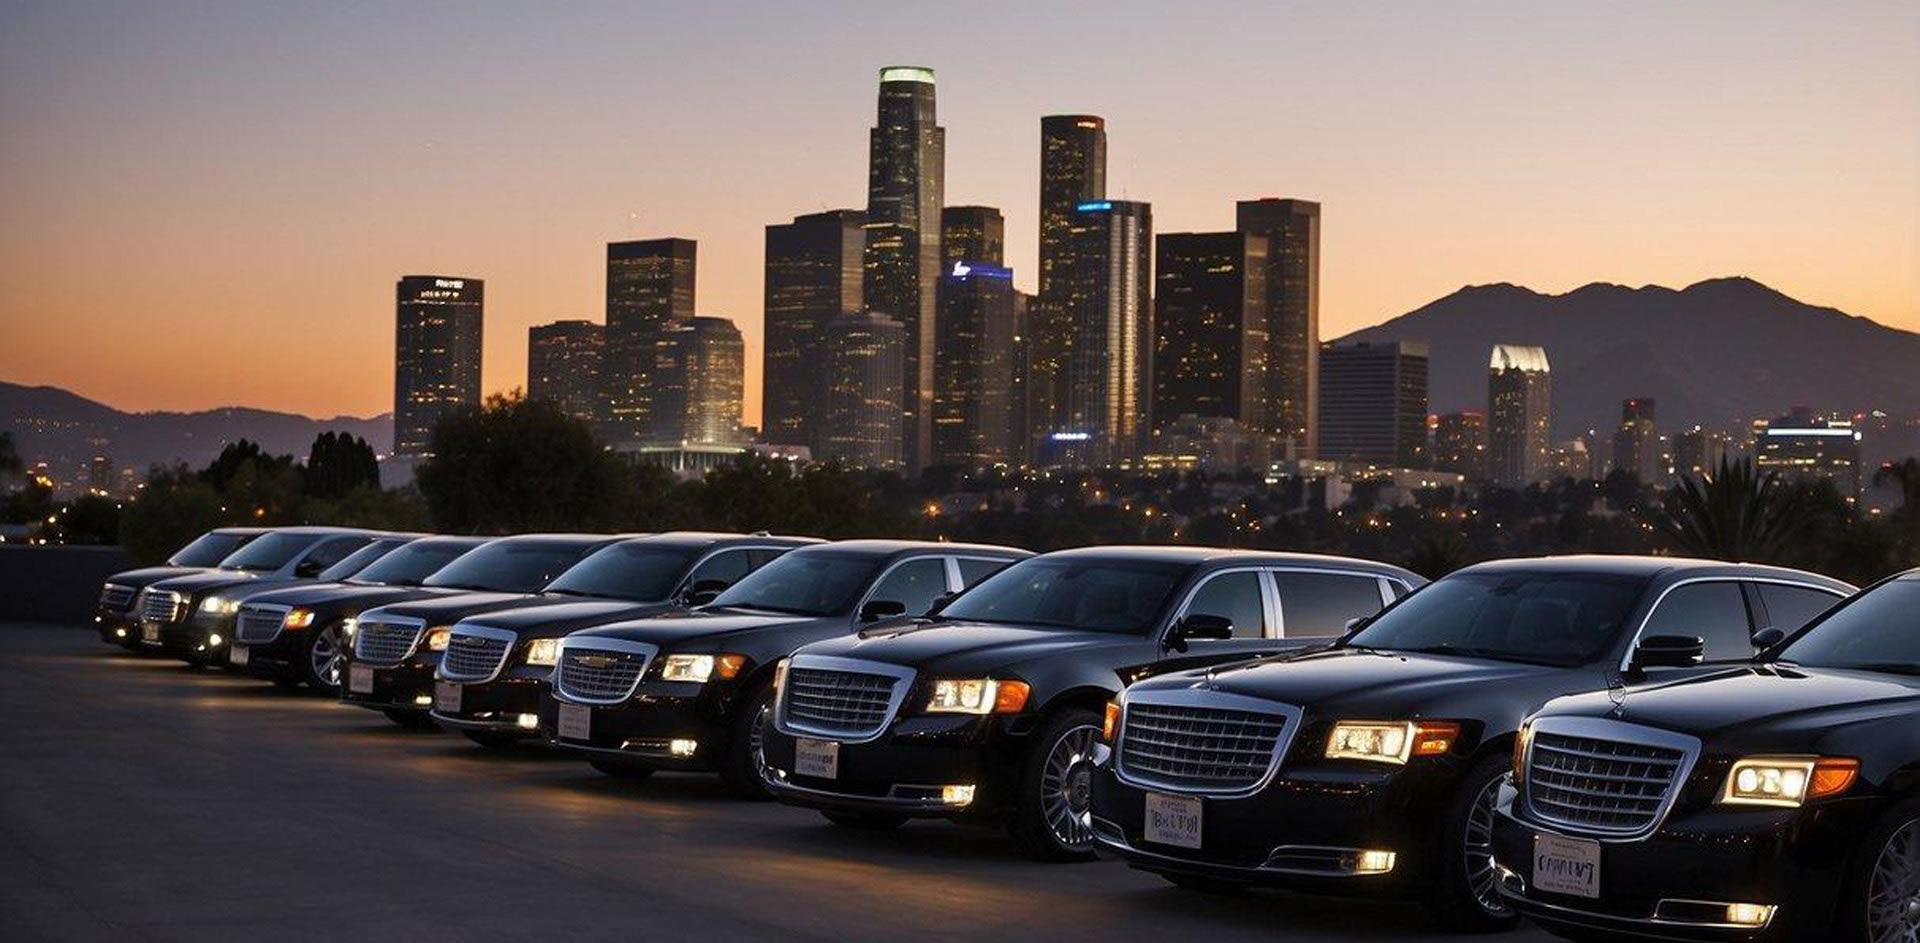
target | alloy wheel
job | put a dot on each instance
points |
(1482, 881)
(1893, 890)
(324, 660)
(1065, 788)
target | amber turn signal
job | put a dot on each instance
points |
(1110, 725)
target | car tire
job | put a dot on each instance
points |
(1206, 885)
(1900, 824)
(1054, 780)
(740, 769)
(866, 821)
(1466, 877)
(310, 672)
(412, 720)
(497, 742)
(619, 770)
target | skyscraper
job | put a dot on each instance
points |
(563, 365)
(864, 358)
(1210, 327)
(905, 181)
(1373, 404)
(649, 291)
(813, 275)
(1109, 368)
(1073, 170)
(1519, 414)
(972, 234)
(1292, 228)
(974, 366)
(1801, 446)
(1019, 400)
(1460, 444)
(1636, 446)
(1698, 452)
(699, 381)
(436, 363)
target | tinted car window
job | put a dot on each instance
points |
(975, 569)
(508, 566)
(332, 552)
(1073, 594)
(270, 552)
(359, 560)
(1321, 604)
(1878, 630)
(1235, 597)
(208, 549)
(806, 584)
(1791, 607)
(1551, 618)
(627, 571)
(727, 566)
(914, 584)
(761, 557)
(1715, 612)
(412, 563)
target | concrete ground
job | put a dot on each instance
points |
(140, 799)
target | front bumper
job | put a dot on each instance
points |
(117, 627)
(905, 770)
(283, 657)
(407, 686)
(641, 729)
(192, 639)
(495, 706)
(1673, 884)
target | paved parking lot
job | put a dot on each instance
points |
(140, 799)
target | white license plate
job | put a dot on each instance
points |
(1173, 820)
(576, 722)
(360, 680)
(1566, 865)
(149, 633)
(238, 654)
(816, 758)
(446, 697)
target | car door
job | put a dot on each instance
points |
(1244, 597)
(1316, 606)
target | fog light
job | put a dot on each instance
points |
(214, 640)
(682, 747)
(956, 795)
(1749, 915)
(119, 633)
(1373, 862)
(528, 721)
(424, 700)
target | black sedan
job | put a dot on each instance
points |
(495, 671)
(1776, 801)
(191, 617)
(115, 616)
(1373, 767)
(692, 692)
(988, 714)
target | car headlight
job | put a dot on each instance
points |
(977, 696)
(780, 674)
(543, 652)
(1787, 781)
(437, 638)
(1390, 742)
(297, 618)
(1110, 724)
(347, 626)
(219, 605)
(698, 668)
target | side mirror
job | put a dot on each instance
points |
(1198, 625)
(1357, 623)
(878, 609)
(1669, 651)
(940, 602)
(705, 591)
(1768, 637)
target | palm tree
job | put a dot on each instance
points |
(1904, 475)
(10, 463)
(1731, 513)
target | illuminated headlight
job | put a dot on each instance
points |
(347, 626)
(219, 605)
(528, 721)
(1787, 781)
(214, 639)
(543, 652)
(1749, 915)
(1373, 862)
(698, 668)
(682, 747)
(438, 637)
(298, 618)
(956, 795)
(1389, 742)
(977, 696)
(119, 633)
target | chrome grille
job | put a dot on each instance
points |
(1199, 749)
(258, 625)
(383, 643)
(471, 657)
(116, 597)
(599, 676)
(161, 605)
(844, 703)
(1600, 785)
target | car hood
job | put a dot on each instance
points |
(1364, 683)
(712, 624)
(1775, 708)
(966, 648)
(148, 575)
(555, 619)
(446, 610)
(361, 595)
(207, 581)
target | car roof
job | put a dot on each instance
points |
(702, 538)
(1186, 554)
(241, 531)
(1650, 567)
(886, 548)
(317, 530)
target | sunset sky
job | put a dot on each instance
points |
(207, 204)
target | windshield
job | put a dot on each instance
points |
(509, 566)
(1878, 630)
(637, 571)
(414, 562)
(803, 584)
(1090, 595)
(208, 549)
(356, 561)
(268, 553)
(1545, 618)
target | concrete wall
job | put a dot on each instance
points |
(55, 584)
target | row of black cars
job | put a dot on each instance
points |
(1652, 747)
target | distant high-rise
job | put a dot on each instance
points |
(972, 234)
(864, 362)
(436, 364)
(699, 381)
(974, 366)
(1519, 414)
(1804, 447)
(813, 275)
(1373, 404)
(563, 365)
(1460, 444)
(905, 180)
(1210, 328)
(1020, 400)
(1109, 368)
(1636, 446)
(1697, 452)
(1073, 170)
(1292, 228)
(649, 291)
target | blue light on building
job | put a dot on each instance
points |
(1094, 207)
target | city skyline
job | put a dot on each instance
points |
(1599, 179)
